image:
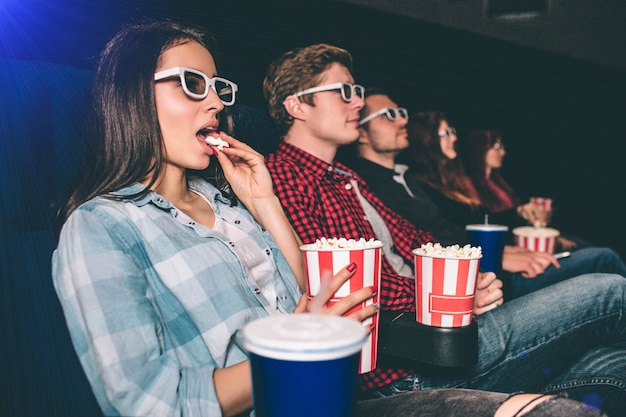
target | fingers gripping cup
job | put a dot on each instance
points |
(326, 257)
(304, 365)
(490, 238)
(538, 239)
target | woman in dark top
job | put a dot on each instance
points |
(433, 162)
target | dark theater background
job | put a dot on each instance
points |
(562, 114)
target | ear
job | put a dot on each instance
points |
(293, 107)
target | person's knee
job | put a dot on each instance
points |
(519, 405)
(538, 405)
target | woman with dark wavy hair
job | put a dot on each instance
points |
(482, 153)
(433, 162)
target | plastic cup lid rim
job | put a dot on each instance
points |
(494, 227)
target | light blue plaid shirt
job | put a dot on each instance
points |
(155, 302)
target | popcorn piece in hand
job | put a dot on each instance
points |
(217, 142)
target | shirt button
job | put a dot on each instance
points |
(267, 252)
(283, 297)
(348, 186)
(257, 291)
(237, 221)
(330, 168)
(159, 200)
(192, 223)
(231, 244)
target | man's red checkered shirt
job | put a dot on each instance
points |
(319, 201)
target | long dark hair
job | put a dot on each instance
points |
(472, 150)
(429, 164)
(124, 142)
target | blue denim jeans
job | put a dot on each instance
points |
(568, 336)
(582, 261)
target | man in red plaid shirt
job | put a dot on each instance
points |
(534, 343)
(323, 198)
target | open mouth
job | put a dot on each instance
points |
(204, 133)
(211, 138)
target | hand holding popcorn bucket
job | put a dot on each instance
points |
(327, 257)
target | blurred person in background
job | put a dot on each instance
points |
(434, 165)
(482, 153)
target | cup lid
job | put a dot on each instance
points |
(304, 337)
(487, 227)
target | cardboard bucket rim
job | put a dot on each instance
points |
(548, 232)
(454, 258)
(313, 247)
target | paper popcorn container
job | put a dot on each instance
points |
(445, 289)
(538, 239)
(543, 203)
(321, 264)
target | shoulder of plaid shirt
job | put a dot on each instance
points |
(319, 202)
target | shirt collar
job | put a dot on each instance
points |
(362, 164)
(196, 184)
(318, 167)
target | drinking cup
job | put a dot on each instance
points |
(304, 365)
(490, 237)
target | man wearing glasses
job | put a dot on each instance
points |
(316, 108)
(383, 136)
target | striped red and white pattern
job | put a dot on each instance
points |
(543, 203)
(537, 244)
(326, 263)
(444, 290)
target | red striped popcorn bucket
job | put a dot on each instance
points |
(322, 263)
(545, 207)
(538, 239)
(445, 289)
(545, 204)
